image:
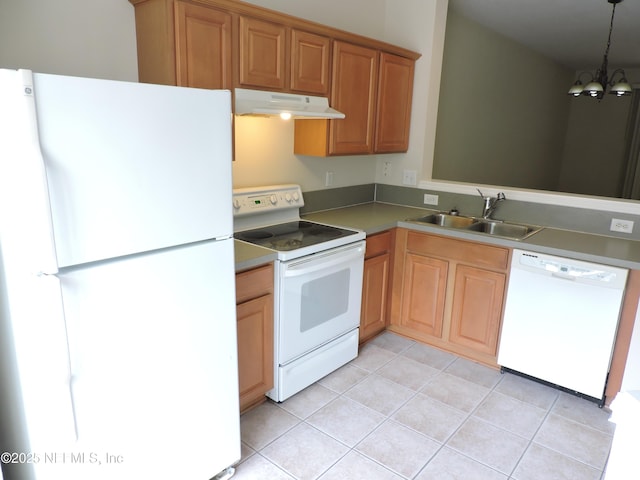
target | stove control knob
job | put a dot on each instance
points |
(273, 199)
(236, 203)
(296, 196)
(288, 197)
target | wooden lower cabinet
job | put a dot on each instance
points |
(477, 308)
(628, 317)
(375, 284)
(423, 294)
(254, 310)
(449, 293)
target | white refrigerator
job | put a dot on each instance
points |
(118, 354)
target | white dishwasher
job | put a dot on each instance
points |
(560, 321)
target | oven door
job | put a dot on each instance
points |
(320, 297)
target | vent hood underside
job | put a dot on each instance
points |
(258, 102)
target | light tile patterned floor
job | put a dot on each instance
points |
(403, 410)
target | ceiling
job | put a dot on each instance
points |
(573, 32)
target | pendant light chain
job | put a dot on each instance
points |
(613, 13)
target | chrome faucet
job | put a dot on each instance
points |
(490, 203)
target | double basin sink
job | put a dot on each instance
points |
(497, 228)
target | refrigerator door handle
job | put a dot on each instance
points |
(72, 381)
(57, 375)
(41, 206)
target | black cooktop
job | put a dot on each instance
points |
(292, 235)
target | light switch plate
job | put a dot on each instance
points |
(410, 177)
(328, 179)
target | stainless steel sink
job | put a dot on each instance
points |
(514, 231)
(446, 220)
(503, 229)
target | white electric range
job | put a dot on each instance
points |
(318, 284)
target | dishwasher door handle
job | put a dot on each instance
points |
(563, 276)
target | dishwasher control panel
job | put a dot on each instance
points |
(577, 270)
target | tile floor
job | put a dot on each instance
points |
(403, 410)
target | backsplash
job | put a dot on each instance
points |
(556, 216)
(328, 199)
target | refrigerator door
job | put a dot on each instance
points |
(125, 366)
(132, 167)
(153, 352)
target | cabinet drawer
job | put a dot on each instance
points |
(254, 283)
(378, 244)
(469, 252)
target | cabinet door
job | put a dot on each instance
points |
(395, 91)
(374, 295)
(310, 63)
(203, 47)
(262, 54)
(353, 93)
(423, 294)
(255, 349)
(477, 308)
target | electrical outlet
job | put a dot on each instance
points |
(430, 199)
(409, 177)
(624, 226)
(386, 169)
(328, 179)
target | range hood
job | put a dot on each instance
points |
(258, 102)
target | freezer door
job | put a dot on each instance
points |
(133, 167)
(153, 352)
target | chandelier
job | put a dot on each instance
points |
(598, 83)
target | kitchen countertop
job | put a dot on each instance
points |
(376, 217)
(248, 255)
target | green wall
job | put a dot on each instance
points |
(503, 110)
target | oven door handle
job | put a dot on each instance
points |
(324, 261)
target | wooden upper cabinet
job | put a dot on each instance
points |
(374, 90)
(229, 43)
(263, 52)
(353, 92)
(310, 57)
(203, 47)
(395, 91)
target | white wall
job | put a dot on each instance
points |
(93, 38)
(364, 17)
